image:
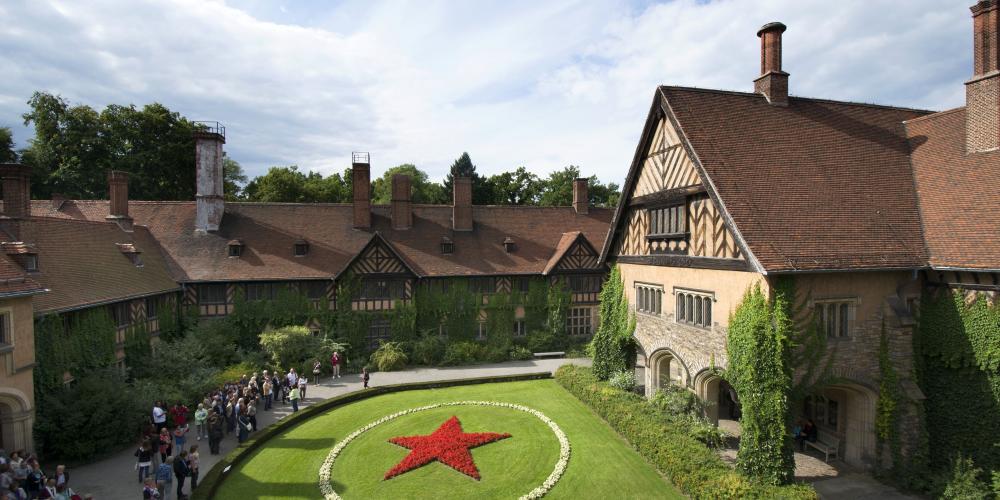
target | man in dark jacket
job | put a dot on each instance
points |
(215, 432)
(181, 472)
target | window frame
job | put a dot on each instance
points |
(667, 221)
(694, 307)
(121, 314)
(649, 298)
(300, 249)
(378, 329)
(202, 300)
(262, 291)
(382, 288)
(520, 328)
(840, 324)
(6, 328)
(154, 311)
(579, 321)
(585, 283)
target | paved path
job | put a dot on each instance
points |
(114, 478)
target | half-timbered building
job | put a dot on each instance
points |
(863, 205)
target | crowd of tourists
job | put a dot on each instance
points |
(168, 453)
(22, 478)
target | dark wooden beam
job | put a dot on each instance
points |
(668, 197)
(686, 261)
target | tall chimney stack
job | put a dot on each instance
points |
(118, 199)
(361, 183)
(772, 82)
(402, 215)
(208, 157)
(461, 210)
(982, 92)
(16, 180)
(581, 198)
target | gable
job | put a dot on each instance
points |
(666, 164)
(378, 258)
(580, 256)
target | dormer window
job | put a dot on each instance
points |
(22, 253)
(508, 244)
(133, 254)
(301, 248)
(235, 248)
(29, 261)
(447, 246)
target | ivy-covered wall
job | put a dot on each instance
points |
(958, 342)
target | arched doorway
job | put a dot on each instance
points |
(665, 368)
(723, 403)
(16, 420)
(846, 412)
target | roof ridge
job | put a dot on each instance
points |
(801, 98)
(935, 115)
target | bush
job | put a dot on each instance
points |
(429, 350)
(463, 353)
(965, 483)
(623, 380)
(543, 341)
(233, 373)
(612, 347)
(292, 346)
(690, 465)
(496, 353)
(675, 401)
(520, 353)
(389, 357)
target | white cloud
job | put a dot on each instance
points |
(540, 84)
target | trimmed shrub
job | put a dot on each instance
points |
(965, 482)
(692, 467)
(520, 353)
(623, 380)
(389, 357)
(429, 350)
(463, 353)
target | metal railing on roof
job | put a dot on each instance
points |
(210, 127)
(360, 157)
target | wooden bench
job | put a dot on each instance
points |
(826, 443)
(554, 354)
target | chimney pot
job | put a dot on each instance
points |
(209, 197)
(461, 216)
(772, 82)
(982, 92)
(402, 215)
(361, 184)
(581, 197)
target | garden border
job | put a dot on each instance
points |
(209, 485)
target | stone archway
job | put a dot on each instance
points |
(16, 420)
(846, 410)
(665, 367)
(722, 401)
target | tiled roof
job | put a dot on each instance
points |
(565, 243)
(14, 281)
(816, 185)
(959, 193)
(81, 264)
(269, 231)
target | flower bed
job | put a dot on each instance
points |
(538, 492)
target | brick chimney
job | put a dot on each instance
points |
(361, 174)
(581, 199)
(16, 180)
(209, 191)
(118, 196)
(772, 82)
(402, 215)
(982, 92)
(461, 211)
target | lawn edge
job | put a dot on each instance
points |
(209, 485)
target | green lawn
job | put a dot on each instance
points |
(601, 464)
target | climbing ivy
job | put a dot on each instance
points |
(78, 343)
(887, 407)
(759, 369)
(958, 344)
(612, 347)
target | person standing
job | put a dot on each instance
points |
(166, 445)
(365, 376)
(335, 363)
(317, 370)
(181, 471)
(200, 416)
(149, 491)
(159, 416)
(49, 491)
(215, 433)
(302, 388)
(144, 459)
(293, 378)
(165, 477)
(62, 477)
(35, 480)
(180, 437)
(193, 458)
(179, 414)
(294, 396)
(252, 416)
(244, 425)
(267, 393)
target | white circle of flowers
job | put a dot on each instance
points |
(538, 492)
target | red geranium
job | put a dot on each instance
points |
(448, 445)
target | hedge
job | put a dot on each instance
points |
(692, 467)
(209, 484)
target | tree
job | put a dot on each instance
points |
(558, 189)
(482, 190)
(233, 179)
(612, 347)
(75, 145)
(422, 190)
(288, 185)
(290, 346)
(7, 153)
(519, 187)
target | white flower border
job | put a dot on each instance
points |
(539, 492)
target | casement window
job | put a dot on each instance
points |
(260, 291)
(648, 299)
(835, 317)
(481, 330)
(578, 321)
(314, 289)
(667, 222)
(822, 410)
(300, 249)
(447, 246)
(382, 289)
(379, 331)
(6, 335)
(693, 308)
(152, 307)
(585, 284)
(522, 284)
(520, 328)
(235, 249)
(120, 313)
(485, 285)
(29, 261)
(212, 294)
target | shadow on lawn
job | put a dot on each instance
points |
(287, 490)
(302, 444)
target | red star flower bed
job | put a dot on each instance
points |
(448, 445)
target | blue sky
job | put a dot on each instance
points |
(541, 84)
